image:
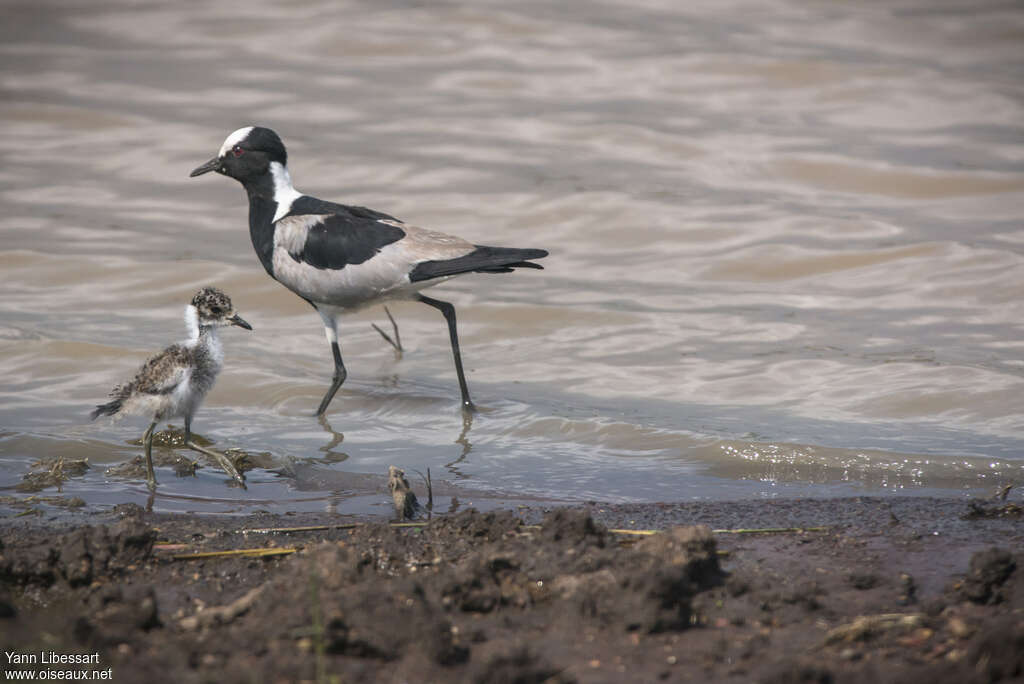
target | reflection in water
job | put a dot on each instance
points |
(334, 501)
(336, 439)
(463, 440)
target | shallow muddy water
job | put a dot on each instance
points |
(787, 248)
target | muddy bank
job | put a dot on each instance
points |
(887, 590)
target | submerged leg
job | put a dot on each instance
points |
(331, 330)
(397, 341)
(449, 315)
(147, 440)
(223, 460)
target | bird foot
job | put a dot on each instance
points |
(224, 461)
(395, 342)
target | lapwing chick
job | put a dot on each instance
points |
(406, 504)
(341, 258)
(173, 383)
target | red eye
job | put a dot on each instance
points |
(237, 151)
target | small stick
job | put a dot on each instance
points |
(222, 614)
(255, 553)
(305, 528)
(430, 493)
(773, 530)
(430, 489)
(170, 547)
(763, 530)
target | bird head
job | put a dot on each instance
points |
(213, 309)
(246, 155)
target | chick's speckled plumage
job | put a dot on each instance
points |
(174, 382)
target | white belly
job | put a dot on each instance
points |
(384, 276)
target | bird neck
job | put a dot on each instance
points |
(270, 199)
(204, 341)
(209, 352)
(198, 332)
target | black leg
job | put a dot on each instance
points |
(339, 377)
(449, 315)
(147, 440)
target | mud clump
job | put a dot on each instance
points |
(479, 527)
(980, 509)
(573, 528)
(668, 571)
(79, 556)
(520, 666)
(388, 626)
(114, 614)
(988, 571)
(998, 653)
(52, 472)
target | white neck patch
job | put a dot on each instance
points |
(233, 139)
(192, 322)
(284, 193)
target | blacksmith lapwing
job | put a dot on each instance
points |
(173, 383)
(340, 258)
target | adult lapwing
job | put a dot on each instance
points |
(340, 258)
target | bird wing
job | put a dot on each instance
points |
(481, 259)
(163, 373)
(332, 236)
(326, 235)
(311, 205)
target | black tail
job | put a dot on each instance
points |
(107, 409)
(480, 260)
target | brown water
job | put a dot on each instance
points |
(787, 248)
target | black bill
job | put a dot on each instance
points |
(236, 319)
(205, 168)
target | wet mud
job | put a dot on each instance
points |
(843, 590)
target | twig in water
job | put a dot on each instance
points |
(430, 491)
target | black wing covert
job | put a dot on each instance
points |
(340, 240)
(312, 205)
